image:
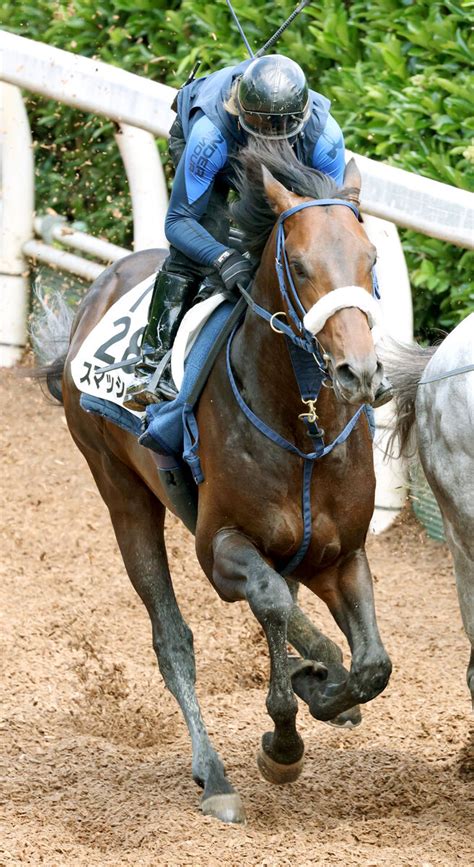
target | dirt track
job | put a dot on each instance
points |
(96, 756)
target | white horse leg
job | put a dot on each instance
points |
(454, 500)
(444, 430)
(464, 571)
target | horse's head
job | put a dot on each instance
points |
(330, 260)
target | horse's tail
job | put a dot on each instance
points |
(404, 365)
(50, 332)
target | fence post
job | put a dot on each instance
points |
(146, 181)
(396, 305)
(16, 222)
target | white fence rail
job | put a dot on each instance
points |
(142, 109)
(409, 200)
(86, 84)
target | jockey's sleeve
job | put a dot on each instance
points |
(204, 156)
(328, 153)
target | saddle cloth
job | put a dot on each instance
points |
(115, 338)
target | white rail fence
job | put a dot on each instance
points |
(142, 110)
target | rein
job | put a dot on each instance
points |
(454, 372)
(304, 350)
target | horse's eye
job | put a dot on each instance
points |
(299, 269)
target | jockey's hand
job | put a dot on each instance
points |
(233, 269)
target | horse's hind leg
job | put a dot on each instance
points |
(138, 520)
(464, 571)
(470, 673)
(305, 637)
(315, 648)
(463, 557)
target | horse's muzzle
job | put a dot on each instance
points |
(357, 382)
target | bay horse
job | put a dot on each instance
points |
(255, 540)
(434, 398)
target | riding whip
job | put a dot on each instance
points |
(270, 42)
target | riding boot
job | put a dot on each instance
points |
(167, 307)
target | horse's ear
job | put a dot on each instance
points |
(353, 182)
(279, 198)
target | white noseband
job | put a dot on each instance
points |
(347, 296)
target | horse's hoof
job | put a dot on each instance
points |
(349, 719)
(274, 772)
(227, 808)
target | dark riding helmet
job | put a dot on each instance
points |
(273, 98)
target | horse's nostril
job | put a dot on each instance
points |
(347, 376)
(359, 378)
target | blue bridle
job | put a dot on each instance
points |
(303, 339)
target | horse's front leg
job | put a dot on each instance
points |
(241, 572)
(321, 660)
(347, 590)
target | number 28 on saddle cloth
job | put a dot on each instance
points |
(160, 428)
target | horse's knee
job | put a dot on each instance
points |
(232, 562)
(241, 572)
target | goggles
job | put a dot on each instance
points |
(274, 126)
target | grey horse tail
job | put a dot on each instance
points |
(404, 365)
(50, 332)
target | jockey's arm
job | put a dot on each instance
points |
(204, 156)
(328, 154)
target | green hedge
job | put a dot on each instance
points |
(397, 72)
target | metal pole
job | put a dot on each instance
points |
(89, 85)
(16, 222)
(63, 261)
(146, 180)
(396, 306)
(56, 228)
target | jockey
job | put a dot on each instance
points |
(268, 97)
